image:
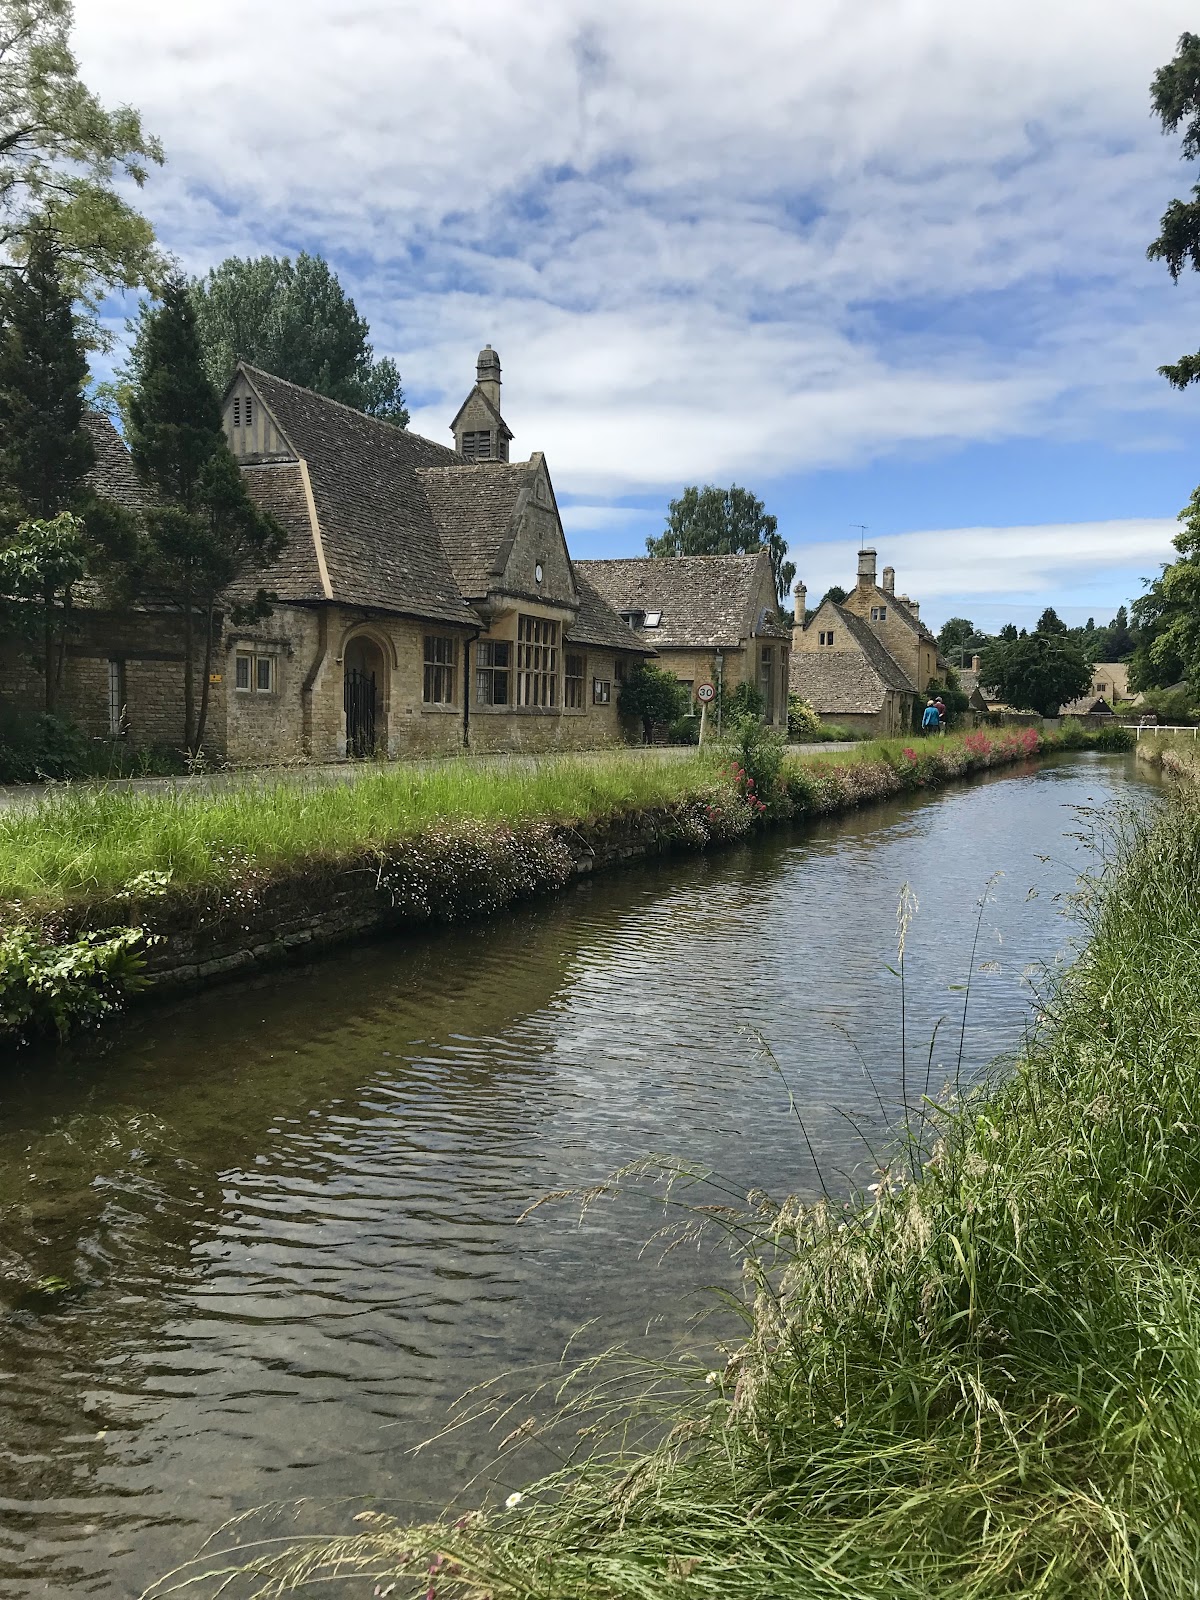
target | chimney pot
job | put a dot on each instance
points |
(866, 569)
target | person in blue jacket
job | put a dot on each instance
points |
(930, 722)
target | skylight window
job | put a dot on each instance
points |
(653, 618)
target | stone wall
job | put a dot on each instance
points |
(149, 648)
(214, 937)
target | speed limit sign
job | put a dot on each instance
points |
(705, 693)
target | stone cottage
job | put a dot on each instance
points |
(711, 619)
(426, 600)
(864, 661)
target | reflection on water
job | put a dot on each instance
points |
(274, 1226)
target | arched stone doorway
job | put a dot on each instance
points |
(365, 698)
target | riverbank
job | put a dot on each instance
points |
(980, 1380)
(216, 884)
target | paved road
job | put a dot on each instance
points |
(25, 794)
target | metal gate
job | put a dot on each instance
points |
(360, 713)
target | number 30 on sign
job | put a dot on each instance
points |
(705, 693)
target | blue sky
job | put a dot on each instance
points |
(882, 261)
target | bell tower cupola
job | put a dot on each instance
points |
(480, 432)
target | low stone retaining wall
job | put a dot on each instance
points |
(210, 936)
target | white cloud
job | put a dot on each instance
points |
(1082, 562)
(704, 248)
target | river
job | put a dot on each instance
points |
(275, 1224)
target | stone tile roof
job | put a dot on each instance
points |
(598, 624)
(904, 611)
(113, 474)
(881, 659)
(474, 508)
(380, 543)
(278, 487)
(705, 601)
(837, 682)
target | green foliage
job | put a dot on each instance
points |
(654, 696)
(64, 159)
(55, 989)
(39, 746)
(1114, 736)
(803, 722)
(204, 532)
(1171, 706)
(1175, 99)
(1168, 615)
(44, 451)
(836, 593)
(684, 730)
(955, 634)
(39, 569)
(293, 318)
(1036, 671)
(729, 522)
(760, 753)
(743, 704)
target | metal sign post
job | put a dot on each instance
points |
(706, 694)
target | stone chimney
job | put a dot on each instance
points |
(976, 663)
(800, 595)
(866, 569)
(487, 374)
(889, 580)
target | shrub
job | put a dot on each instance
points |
(803, 721)
(684, 730)
(1113, 736)
(38, 747)
(744, 704)
(653, 695)
(760, 755)
(1170, 706)
(1072, 735)
(48, 988)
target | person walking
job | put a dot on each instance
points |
(930, 722)
(943, 714)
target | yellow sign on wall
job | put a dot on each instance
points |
(214, 677)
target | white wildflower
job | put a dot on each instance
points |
(514, 1499)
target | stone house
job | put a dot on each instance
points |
(1110, 680)
(865, 661)
(712, 619)
(425, 601)
(122, 671)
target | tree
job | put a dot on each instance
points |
(44, 452)
(1051, 622)
(654, 696)
(836, 593)
(724, 522)
(204, 532)
(61, 156)
(1168, 615)
(39, 569)
(294, 319)
(955, 636)
(55, 529)
(1037, 671)
(1120, 641)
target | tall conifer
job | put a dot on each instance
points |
(204, 532)
(45, 453)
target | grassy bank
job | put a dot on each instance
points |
(91, 844)
(983, 1380)
(444, 843)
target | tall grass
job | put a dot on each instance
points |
(88, 844)
(91, 841)
(983, 1380)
